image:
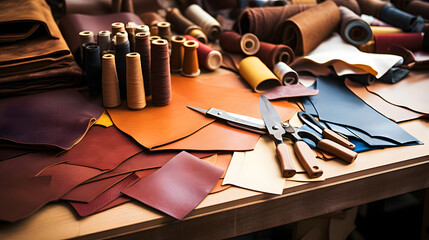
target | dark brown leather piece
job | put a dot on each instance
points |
(191, 179)
(58, 118)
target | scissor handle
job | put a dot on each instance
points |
(307, 158)
(331, 135)
(283, 154)
(337, 150)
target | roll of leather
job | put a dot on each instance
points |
(304, 31)
(353, 29)
(353, 5)
(72, 24)
(415, 7)
(257, 74)
(267, 23)
(403, 20)
(371, 7)
(410, 41)
(270, 54)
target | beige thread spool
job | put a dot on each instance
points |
(86, 37)
(190, 66)
(104, 41)
(164, 31)
(109, 81)
(142, 28)
(209, 25)
(136, 99)
(117, 27)
(177, 53)
(120, 38)
(131, 29)
(286, 74)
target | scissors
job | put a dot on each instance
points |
(279, 130)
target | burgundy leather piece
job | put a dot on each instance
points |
(267, 23)
(66, 176)
(7, 153)
(86, 209)
(144, 160)
(410, 41)
(307, 29)
(102, 148)
(72, 24)
(41, 81)
(94, 7)
(118, 201)
(89, 191)
(58, 118)
(22, 197)
(178, 187)
(290, 91)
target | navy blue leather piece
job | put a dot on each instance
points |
(401, 19)
(335, 103)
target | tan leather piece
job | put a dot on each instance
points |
(407, 92)
(305, 30)
(396, 113)
(36, 54)
(153, 127)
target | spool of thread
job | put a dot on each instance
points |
(84, 37)
(209, 25)
(142, 28)
(143, 48)
(208, 57)
(286, 74)
(83, 58)
(199, 35)
(122, 48)
(270, 54)
(104, 40)
(93, 68)
(131, 28)
(152, 19)
(117, 27)
(177, 53)
(257, 74)
(179, 23)
(160, 73)
(353, 29)
(233, 42)
(164, 31)
(136, 99)
(153, 38)
(190, 59)
(109, 81)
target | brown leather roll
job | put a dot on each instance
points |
(304, 31)
(371, 7)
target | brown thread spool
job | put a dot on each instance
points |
(160, 73)
(207, 57)
(153, 38)
(164, 31)
(131, 29)
(208, 24)
(190, 59)
(135, 89)
(177, 53)
(109, 80)
(199, 35)
(233, 42)
(117, 27)
(143, 48)
(152, 19)
(179, 23)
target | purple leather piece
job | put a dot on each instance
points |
(56, 118)
(71, 24)
(290, 91)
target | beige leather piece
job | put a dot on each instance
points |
(407, 92)
(395, 113)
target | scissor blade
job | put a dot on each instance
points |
(272, 121)
(200, 110)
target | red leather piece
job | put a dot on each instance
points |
(86, 209)
(58, 118)
(178, 187)
(87, 192)
(118, 201)
(102, 148)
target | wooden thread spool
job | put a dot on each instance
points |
(143, 48)
(104, 40)
(233, 42)
(109, 80)
(177, 53)
(160, 73)
(209, 25)
(164, 31)
(136, 99)
(286, 74)
(207, 57)
(117, 27)
(190, 59)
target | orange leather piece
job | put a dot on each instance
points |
(154, 127)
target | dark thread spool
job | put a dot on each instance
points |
(179, 23)
(152, 19)
(135, 88)
(164, 31)
(121, 50)
(109, 80)
(177, 53)
(190, 59)
(160, 73)
(233, 42)
(93, 69)
(143, 48)
(84, 37)
(104, 40)
(208, 57)
(270, 54)
(131, 28)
